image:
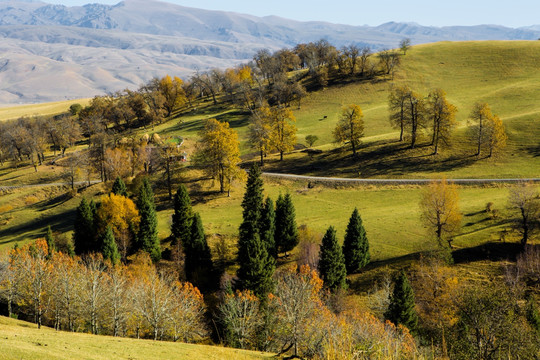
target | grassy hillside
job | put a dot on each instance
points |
(14, 112)
(506, 74)
(21, 340)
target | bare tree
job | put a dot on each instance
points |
(525, 199)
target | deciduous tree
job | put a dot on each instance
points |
(283, 131)
(350, 127)
(496, 135)
(443, 117)
(397, 103)
(440, 210)
(524, 198)
(218, 151)
(480, 114)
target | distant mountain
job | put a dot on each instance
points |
(52, 52)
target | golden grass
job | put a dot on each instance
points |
(20, 340)
(14, 112)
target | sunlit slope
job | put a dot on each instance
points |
(8, 112)
(20, 340)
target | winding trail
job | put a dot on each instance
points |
(22, 186)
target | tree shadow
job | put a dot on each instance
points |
(493, 251)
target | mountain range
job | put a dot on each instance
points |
(54, 52)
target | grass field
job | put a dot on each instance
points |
(14, 112)
(21, 340)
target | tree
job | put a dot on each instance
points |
(121, 214)
(480, 114)
(443, 116)
(108, 246)
(331, 262)
(240, 315)
(355, 245)
(496, 135)
(260, 130)
(119, 187)
(401, 309)
(268, 227)
(525, 199)
(397, 103)
(218, 151)
(415, 115)
(49, 238)
(311, 139)
(147, 238)
(198, 264)
(286, 235)
(350, 127)
(182, 216)
(173, 93)
(84, 233)
(283, 132)
(405, 45)
(299, 310)
(440, 210)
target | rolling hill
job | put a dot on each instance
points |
(94, 49)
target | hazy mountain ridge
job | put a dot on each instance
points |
(109, 47)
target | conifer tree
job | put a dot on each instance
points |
(119, 187)
(331, 261)
(401, 309)
(147, 239)
(286, 234)
(83, 236)
(355, 245)
(268, 227)
(182, 216)
(198, 263)
(109, 248)
(49, 237)
(256, 265)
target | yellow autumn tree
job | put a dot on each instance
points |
(350, 127)
(173, 93)
(440, 210)
(443, 117)
(121, 214)
(479, 116)
(283, 130)
(218, 152)
(496, 135)
(260, 130)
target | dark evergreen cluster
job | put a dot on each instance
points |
(187, 230)
(355, 245)
(119, 187)
(255, 241)
(331, 261)
(401, 309)
(147, 239)
(286, 234)
(84, 237)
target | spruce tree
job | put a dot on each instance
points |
(109, 249)
(355, 245)
(268, 227)
(49, 237)
(119, 187)
(331, 261)
(286, 234)
(257, 268)
(256, 265)
(401, 309)
(147, 239)
(182, 216)
(83, 235)
(198, 263)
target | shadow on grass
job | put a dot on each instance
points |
(493, 251)
(534, 150)
(382, 158)
(61, 222)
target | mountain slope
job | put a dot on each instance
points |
(93, 49)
